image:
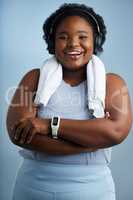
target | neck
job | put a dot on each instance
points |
(74, 77)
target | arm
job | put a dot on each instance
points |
(23, 109)
(48, 145)
(103, 132)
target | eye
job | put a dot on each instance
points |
(62, 37)
(83, 37)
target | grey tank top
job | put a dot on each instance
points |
(69, 102)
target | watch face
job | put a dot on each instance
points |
(55, 121)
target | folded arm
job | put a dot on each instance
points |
(23, 110)
(77, 135)
(103, 132)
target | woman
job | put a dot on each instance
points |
(65, 141)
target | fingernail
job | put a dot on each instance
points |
(15, 137)
(28, 141)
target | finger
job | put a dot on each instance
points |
(25, 133)
(17, 132)
(16, 128)
(22, 129)
(13, 129)
(31, 136)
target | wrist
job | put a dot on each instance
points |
(45, 127)
(55, 123)
(48, 127)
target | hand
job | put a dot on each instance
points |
(26, 129)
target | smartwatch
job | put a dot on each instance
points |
(55, 122)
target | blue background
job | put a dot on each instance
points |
(22, 48)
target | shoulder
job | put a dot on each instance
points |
(30, 79)
(116, 89)
(115, 83)
(114, 78)
(32, 74)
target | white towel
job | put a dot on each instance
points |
(51, 76)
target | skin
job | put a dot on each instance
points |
(29, 131)
(77, 36)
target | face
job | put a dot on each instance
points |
(74, 42)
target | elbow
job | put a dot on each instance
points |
(123, 131)
(119, 131)
(119, 136)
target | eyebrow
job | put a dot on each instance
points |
(80, 31)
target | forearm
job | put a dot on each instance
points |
(48, 145)
(15, 114)
(42, 143)
(98, 133)
(76, 136)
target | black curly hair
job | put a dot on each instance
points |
(72, 9)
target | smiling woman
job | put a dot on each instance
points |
(74, 44)
(66, 131)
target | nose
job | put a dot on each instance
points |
(72, 42)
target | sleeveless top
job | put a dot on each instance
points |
(69, 102)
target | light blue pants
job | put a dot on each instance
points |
(49, 181)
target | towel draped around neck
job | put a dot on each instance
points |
(51, 75)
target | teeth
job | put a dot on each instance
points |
(74, 53)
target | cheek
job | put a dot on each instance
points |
(59, 50)
(89, 46)
(90, 50)
(59, 46)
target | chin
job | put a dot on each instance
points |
(73, 67)
(73, 64)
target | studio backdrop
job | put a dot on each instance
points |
(22, 48)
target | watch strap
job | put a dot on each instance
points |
(55, 122)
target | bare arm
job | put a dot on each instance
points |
(96, 133)
(48, 145)
(101, 132)
(22, 108)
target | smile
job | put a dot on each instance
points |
(75, 54)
